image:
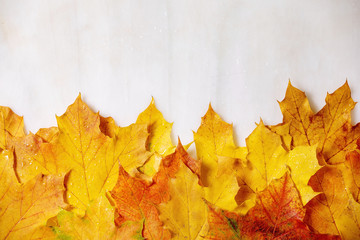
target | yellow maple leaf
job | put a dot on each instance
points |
(97, 224)
(330, 128)
(185, 214)
(8, 178)
(214, 138)
(159, 143)
(283, 130)
(11, 126)
(351, 173)
(87, 152)
(25, 208)
(303, 164)
(35, 155)
(129, 143)
(332, 211)
(297, 111)
(268, 160)
(267, 156)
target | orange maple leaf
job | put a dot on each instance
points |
(330, 128)
(278, 214)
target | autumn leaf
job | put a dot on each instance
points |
(11, 126)
(135, 201)
(283, 130)
(8, 179)
(159, 143)
(35, 155)
(351, 173)
(303, 164)
(98, 223)
(266, 161)
(278, 214)
(129, 143)
(330, 128)
(25, 208)
(214, 138)
(185, 214)
(332, 212)
(130, 146)
(297, 111)
(86, 151)
(159, 192)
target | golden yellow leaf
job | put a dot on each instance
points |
(130, 146)
(97, 224)
(159, 142)
(267, 156)
(48, 134)
(303, 165)
(8, 180)
(84, 149)
(297, 111)
(330, 128)
(28, 207)
(351, 172)
(11, 126)
(34, 155)
(185, 214)
(332, 212)
(129, 143)
(214, 138)
(283, 130)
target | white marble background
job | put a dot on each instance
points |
(237, 54)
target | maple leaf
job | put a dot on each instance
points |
(214, 138)
(159, 143)
(351, 174)
(129, 143)
(283, 130)
(8, 178)
(330, 128)
(332, 212)
(303, 164)
(185, 214)
(266, 161)
(267, 155)
(11, 126)
(78, 146)
(25, 208)
(97, 223)
(278, 214)
(86, 151)
(297, 111)
(34, 155)
(135, 200)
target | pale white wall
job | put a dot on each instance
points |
(237, 54)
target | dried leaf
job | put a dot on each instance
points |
(98, 223)
(159, 142)
(278, 214)
(351, 174)
(11, 126)
(27, 207)
(330, 128)
(135, 201)
(185, 214)
(332, 212)
(214, 138)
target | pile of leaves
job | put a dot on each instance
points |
(88, 178)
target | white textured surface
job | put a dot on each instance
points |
(237, 54)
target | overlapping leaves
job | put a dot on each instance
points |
(88, 178)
